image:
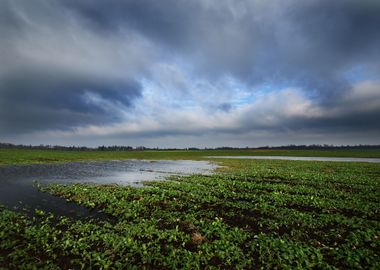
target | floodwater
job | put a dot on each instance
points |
(339, 159)
(18, 189)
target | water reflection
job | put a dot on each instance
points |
(17, 187)
(339, 159)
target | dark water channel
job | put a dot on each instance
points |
(18, 183)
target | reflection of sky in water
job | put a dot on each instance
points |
(121, 172)
(128, 172)
(16, 182)
(339, 159)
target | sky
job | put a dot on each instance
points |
(198, 73)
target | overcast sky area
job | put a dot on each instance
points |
(180, 73)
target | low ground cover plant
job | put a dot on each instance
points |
(252, 214)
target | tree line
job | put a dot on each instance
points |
(143, 148)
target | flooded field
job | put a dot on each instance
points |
(336, 159)
(270, 214)
(18, 183)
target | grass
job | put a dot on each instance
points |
(269, 214)
(26, 156)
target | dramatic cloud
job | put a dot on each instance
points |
(180, 73)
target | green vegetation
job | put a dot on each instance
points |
(253, 214)
(27, 156)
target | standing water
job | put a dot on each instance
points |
(337, 159)
(17, 188)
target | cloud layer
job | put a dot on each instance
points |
(175, 73)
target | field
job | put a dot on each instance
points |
(25, 156)
(252, 214)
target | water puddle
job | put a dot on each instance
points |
(337, 159)
(18, 190)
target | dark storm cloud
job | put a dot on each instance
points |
(44, 100)
(163, 20)
(349, 28)
(306, 44)
(336, 36)
(288, 40)
(68, 64)
(183, 27)
(47, 80)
